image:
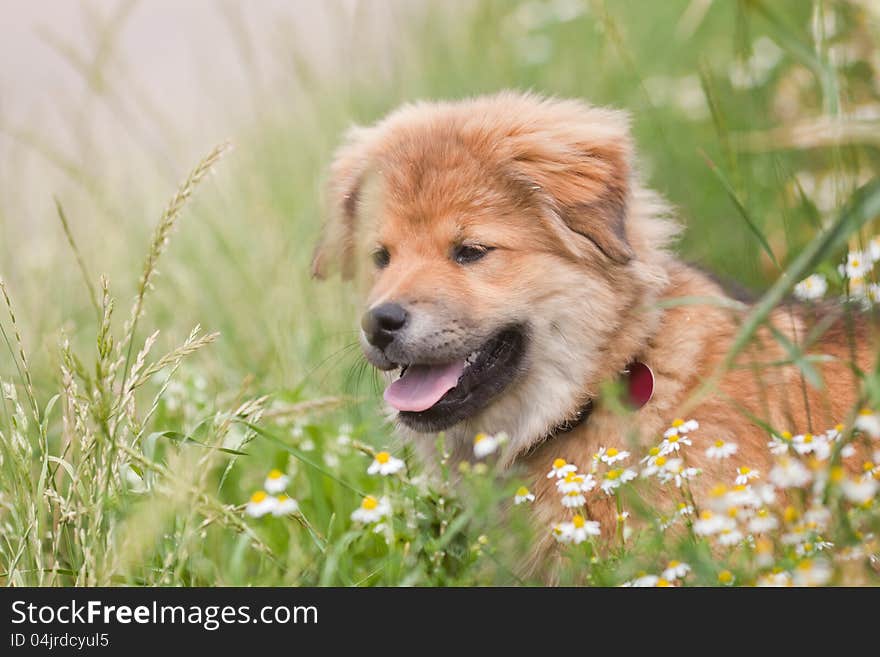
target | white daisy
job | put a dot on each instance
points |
(644, 581)
(614, 478)
(260, 504)
(673, 442)
(745, 474)
(573, 499)
(859, 491)
(857, 265)
(811, 288)
(612, 455)
(484, 444)
(385, 464)
(276, 482)
(774, 579)
(709, 523)
(790, 473)
(675, 470)
(730, 536)
(522, 495)
(778, 445)
(560, 469)
(812, 572)
(809, 444)
(721, 449)
(833, 435)
(577, 531)
(573, 482)
(285, 506)
(676, 570)
(869, 422)
(371, 510)
(654, 462)
(762, 522)
(681, 427)
(869, 293)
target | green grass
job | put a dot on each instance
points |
(124, 465)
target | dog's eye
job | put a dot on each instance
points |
(468, 253)
(381, 257)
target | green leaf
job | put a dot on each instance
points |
(731, 193)
(299, 454)
(176, 436)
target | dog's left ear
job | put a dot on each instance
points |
(337, 243)
(580, 167)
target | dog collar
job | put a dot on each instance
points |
(638, 380)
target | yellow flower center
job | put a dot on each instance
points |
(663, 583)
(283, 498)
(806, 564)
(383, 457)
(790, 514)
(681, 505)
(673, 564)
(719, 443)
(764, 546)
(660, 460)
(613, 474)
(808, 437)
(718, 491)
(559, 463)
(836, 474)
(369, 503)
(654, 451)
(732, 511)
(571, 478)
(786, 435)
(480, 437)
(673, 438)
(578, 521)
(744, 470)
(867, 466)
(706, 514)
(677, 423)
(612, 452)
(838, 427)
(763, 513)
(522, 491)
(866, 411)
(573, 493)
(259, 496)
(276, 474)
(725, 577)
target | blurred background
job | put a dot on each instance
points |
(751, 117)
(105, 106)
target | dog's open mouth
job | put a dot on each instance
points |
(432, 397)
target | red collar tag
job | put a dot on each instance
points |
(639, 384)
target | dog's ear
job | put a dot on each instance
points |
(336, 246)
(580, 167)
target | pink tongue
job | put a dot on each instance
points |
(422, 386)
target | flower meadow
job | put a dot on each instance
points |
(139, 448)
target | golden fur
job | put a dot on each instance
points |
(582, 252)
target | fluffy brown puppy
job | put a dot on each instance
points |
(518, 264)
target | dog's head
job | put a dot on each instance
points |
(503, 268)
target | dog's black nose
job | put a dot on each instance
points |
(381, 323)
